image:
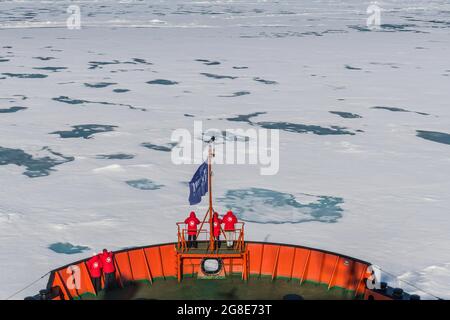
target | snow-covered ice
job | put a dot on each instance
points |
(86, 118)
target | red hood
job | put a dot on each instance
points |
(229, 213)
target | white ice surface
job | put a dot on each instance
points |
(395, 185)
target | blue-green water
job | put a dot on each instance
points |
(144, 184)
(115, 156)
(399, 27)
(101, 64)
(296, 127)
(264, 81)
(44, 58)
(236, 94)
(434, 136)
(387, 28)
(68, 100)
(396, 109)
(352, 68)
(67, 248)
(100, 84)
(269, 206)
(208, 62)
(245, 117)
(346, 115)
(65, 99)
(141, 61)
(12, 109)
(121, 90)
(217, 76)
(85, 131)
(25, 75)
(166, 148)
(53, 69)
(303, 128)
(162, 82)
(240, 68)
(35, 166)
(393, 109)
(223, 136)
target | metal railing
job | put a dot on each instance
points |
(204, 233)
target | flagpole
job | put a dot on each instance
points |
(211, 228)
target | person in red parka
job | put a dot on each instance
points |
(229, 220)
(107, 258)
(192, 223)
(95, 269)
(216, 230)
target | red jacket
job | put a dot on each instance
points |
(216, 225)
(95, 266)
(108, 261)
(192, 223)
(229, 220)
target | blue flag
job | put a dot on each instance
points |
(198, 186)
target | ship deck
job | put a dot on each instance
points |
(232, 287)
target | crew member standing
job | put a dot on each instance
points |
(216, 230)
(95, 269)
(229, 220)
(192, 223)
(109, 269)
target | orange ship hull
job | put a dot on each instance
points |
(278, 261)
